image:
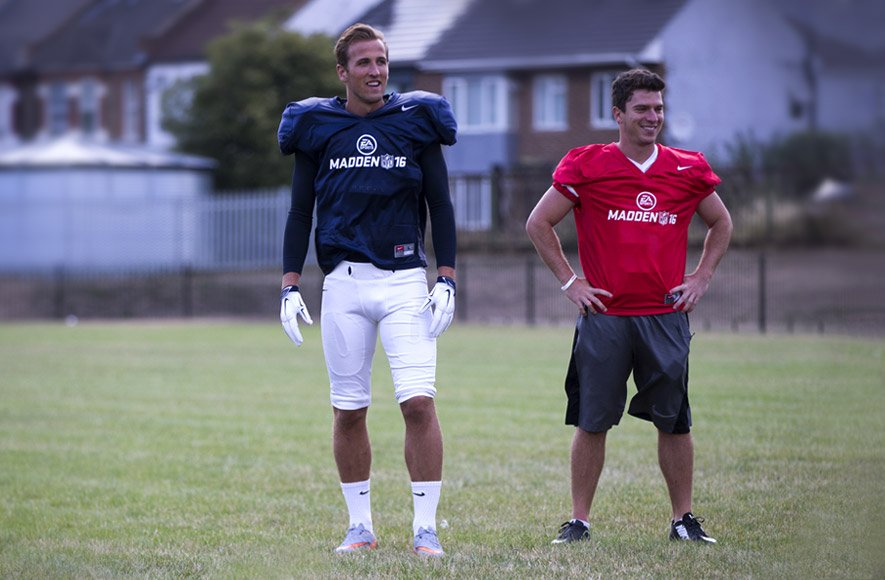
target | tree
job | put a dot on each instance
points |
(232, 113)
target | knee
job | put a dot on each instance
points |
(349, 420)
(418, 410)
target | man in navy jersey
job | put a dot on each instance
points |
(632, 203)
(371, 164)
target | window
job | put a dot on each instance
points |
(131, 111)
(57, 109)
(550, 103)
(480, 103)
(89, 107)
(601, 100)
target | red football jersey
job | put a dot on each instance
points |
(633, 226)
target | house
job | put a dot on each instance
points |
(178, 51)
(85, 183)
(530, 79)
(845, 61)
(23, 23)
(97, 67)
(528, 76)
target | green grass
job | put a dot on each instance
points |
(163, 450)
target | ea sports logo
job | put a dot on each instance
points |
(366, 144)
(646, 201)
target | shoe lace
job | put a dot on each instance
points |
(575, 527)
(356, 533)
(693, 525)
(428, 537)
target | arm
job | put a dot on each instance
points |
(442, 214)
(295, 241)
(719, 228)
(550, 210)
(299, 220)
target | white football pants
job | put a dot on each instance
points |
(358, 301)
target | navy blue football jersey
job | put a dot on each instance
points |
(368, 185)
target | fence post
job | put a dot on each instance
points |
(59, 296)
(187, 291)
(462, 287)
(763, 297)
(530, 290)
(763, 253)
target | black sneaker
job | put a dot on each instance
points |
(572, 531)
(689, 529)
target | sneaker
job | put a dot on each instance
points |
(427, 544)
(572, 531)
(689, 529)
(357, 538)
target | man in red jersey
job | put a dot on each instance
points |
(632, 202)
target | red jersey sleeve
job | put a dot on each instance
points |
(707, 180)
(701, 178)
(572, 170)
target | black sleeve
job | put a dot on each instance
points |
(300, 218)
(439, 202)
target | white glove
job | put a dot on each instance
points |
(291, 306)
(442, 298)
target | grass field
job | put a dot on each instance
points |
(165, 450)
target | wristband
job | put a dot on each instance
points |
(569, 283)
(448, 281)
(287, 289)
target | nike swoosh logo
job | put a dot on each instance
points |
(366, 492)
(405, 108)
(420, 494)
(683, 167)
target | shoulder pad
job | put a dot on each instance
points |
(577, 164)
(287, 134)
(694, 165)
(438, 110)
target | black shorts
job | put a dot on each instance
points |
(607, 349)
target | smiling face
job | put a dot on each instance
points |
(640, 123)
(365, 76)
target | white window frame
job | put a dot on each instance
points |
(480, 103)
(472, 201)
(7, 104)
(550, 103)
(601, 100)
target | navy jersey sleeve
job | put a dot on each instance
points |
(439, 202)
(298, 223)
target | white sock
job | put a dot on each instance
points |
(425, 497)
(359, 503)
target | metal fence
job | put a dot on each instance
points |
(223, 258)
(801, 291)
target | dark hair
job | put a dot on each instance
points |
(355, 33)
(637, 79)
